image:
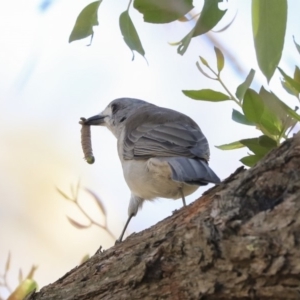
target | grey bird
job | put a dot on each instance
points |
(162, 151)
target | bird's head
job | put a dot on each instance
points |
(116, 113)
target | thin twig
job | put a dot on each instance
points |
(74, 199)
(129, 5)
(224, 86)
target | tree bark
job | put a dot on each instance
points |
(240, 240)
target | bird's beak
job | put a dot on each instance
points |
(97, 120)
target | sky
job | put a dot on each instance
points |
(47, 84)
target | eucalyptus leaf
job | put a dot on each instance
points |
(256, 111)
(269, 19)
(204, 61)
(290, 80)
(297, 45)
(163, 11)
(253, 106)
(220, 59)
(270, 122)
(206, 95)
(288, 88)
(231, 146)
(279, 106)
(250, 160)
(184, 43)
(274, 104)
(209, 18)
(254, 145)
(267, 142)
(240, 118)
(85, 21)
(297, 74)
(242, 88)
(130, 34)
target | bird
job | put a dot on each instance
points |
(163, 152)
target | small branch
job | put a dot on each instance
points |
(92, 222)
(130, 1)
(229, 93)
(74, 200)
(239, 241)
(224, 86)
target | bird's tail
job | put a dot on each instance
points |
(192, 171)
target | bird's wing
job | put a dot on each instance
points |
(163, 133)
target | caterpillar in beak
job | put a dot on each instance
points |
(86, 142)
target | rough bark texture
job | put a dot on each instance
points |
(238, 241)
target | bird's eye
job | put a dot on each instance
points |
(114, 108)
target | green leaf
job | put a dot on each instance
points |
(297, 74)
(256, 111)
(297, 45)
(204, 61)
(220, 59)
(23, 289)
(273, 103)
(209, 18)
(288, 88)
(207, 95)
(231, 146)
(253, 106)
(254, 145)
(130, 34)
(293, 83)
(240, 118)
(163, 11)
(268, 25)
(288, 85)
(270, 123)
(85, 21)
(242, 88)
(279, 106)
(250, 160)
(267, 142)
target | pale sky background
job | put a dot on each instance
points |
(47, 84)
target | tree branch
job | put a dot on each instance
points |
(240, 240)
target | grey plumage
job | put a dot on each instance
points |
(163, 152)
(191, 171)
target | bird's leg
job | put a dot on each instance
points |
(119, 240)
(182, 196)
(134, 205)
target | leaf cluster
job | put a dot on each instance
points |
(264, 109)
(155, 12)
